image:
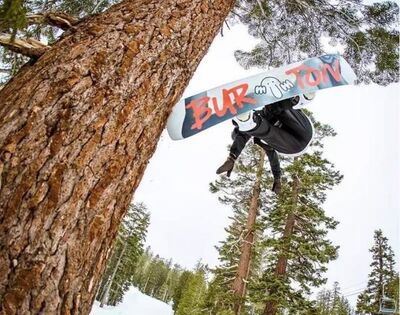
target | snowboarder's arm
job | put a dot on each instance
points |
(238, 143)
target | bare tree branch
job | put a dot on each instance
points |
(57, 19)
(29, 47)
(99, 3)
(261, 8)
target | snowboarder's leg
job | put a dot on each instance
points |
(297, 123)
(281, 139)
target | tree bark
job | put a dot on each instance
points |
(239, 284)
(271, 306)
(77, 129)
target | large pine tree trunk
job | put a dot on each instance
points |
(239, 284)
(271, 306)
(77, 129)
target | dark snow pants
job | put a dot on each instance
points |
(284, 129)
(291, 134)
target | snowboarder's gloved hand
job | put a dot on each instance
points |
(227, 166)
(276, 187)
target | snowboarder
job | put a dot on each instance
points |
(280, 127)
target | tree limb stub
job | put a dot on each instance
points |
(29, 47)
(57, 19)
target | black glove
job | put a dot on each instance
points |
(276, 187)
(227, 166)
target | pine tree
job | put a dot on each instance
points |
(12, 15)
(383, 273)
(293, 30)
(158, 277)
(393, 290)
(193, 293)
(363, 304)
(140, 275)
(297, 254)
(249, 237)
(127, 251)
(247, 193)
(183, 280)
(324, 300)
(340, 305)
(304, 229)
(171, 283)
(332, 302)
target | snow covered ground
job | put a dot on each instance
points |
(135, 303)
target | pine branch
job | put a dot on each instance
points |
(97, 6)
(261, 8)
(57, 19)
(28, 47)
(237, 15)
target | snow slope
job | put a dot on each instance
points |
(136, 303)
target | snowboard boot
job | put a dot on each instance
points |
(304, 99)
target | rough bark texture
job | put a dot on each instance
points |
(239, 284)
(77, 130)
(271, 307)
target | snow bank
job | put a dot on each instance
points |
(136, 303)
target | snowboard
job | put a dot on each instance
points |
(199, 112)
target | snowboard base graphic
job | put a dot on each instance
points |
(201, 111)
